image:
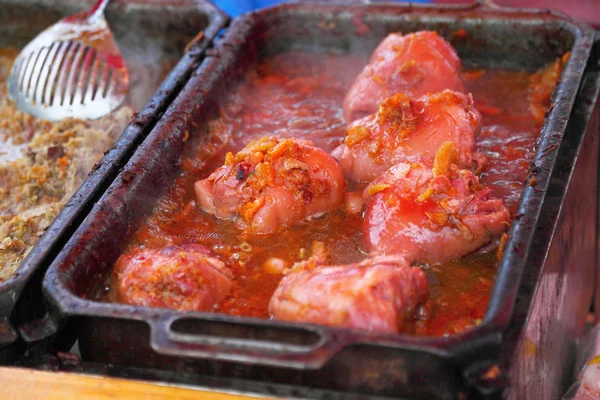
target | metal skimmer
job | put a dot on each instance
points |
(72, 69)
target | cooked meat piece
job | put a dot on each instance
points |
(379, 294)
(431, 215)
(273, 183)
(413, 64)
(406, 130)
(542, 85)
(186, 277)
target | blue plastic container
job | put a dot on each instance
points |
(237, 7)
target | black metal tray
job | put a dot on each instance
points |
(152, 36)
(539, 348)
(304, 354)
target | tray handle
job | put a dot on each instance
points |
(249, 341)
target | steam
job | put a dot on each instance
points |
(149, 44)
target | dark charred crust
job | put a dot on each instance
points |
(307, 194)
(240, 174)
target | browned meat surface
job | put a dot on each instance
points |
(273, 183)
(409, 129)
(378, 294)
(541, 87)
(431, 215)
(185, 277)
(414, 65)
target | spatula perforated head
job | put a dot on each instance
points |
(72, 69)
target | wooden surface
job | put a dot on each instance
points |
(20, 383)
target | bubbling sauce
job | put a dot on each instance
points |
(300, 95)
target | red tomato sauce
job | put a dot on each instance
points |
(300, 95)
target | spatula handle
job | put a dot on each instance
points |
(98, 9)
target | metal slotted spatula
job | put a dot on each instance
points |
(72, 69)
